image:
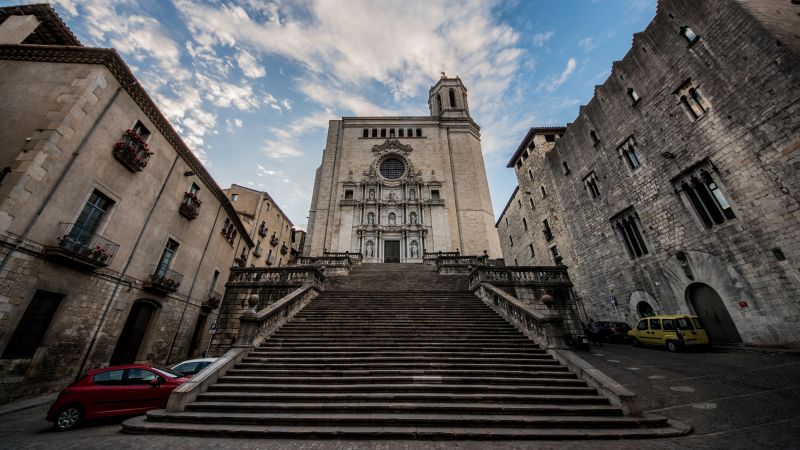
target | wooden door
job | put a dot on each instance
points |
(709, 308)
(391, 251)
(133, 333)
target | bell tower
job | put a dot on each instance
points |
(448, 98)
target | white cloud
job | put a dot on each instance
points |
(587, 44)
(287, 104)
(272, 102)
(227, 94)
(556, 82)
(280, 149)
(250, 67)
(539, 39)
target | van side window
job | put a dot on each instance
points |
(684, 324)
(655, 324)
(642, 325)
(669, 325)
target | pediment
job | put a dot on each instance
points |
(392, 145)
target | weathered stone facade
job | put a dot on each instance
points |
(393, 188)
(270, 229)
(110, 243)
(677, 185)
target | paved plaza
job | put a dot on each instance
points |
(733, 399)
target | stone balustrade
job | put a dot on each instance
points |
(275, 275)
(544, 327)
(541, 275)
(333, 265)
(459, 264)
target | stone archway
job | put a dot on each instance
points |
(708, 306)
(642, 304)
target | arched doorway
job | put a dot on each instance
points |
(130, 340)
(708, 306)
(645, 310)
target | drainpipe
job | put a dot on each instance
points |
(125, 269)
(194, 281)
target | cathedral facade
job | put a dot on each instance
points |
(394, 188)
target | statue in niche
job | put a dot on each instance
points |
(414, 250)
(372, 194)
(413, 218)
(371, 218)
(392, 219)
(391, 196)
(433, 174)
(370, 249)
(350, 175)
(412, 194)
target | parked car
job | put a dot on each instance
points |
(674, 332)
(126, 390)
(614, 331)
(192, 366)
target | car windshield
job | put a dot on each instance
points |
(684, 323)
(697, 323)
(169, 373)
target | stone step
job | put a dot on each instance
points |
(399, 387)
(407, 372)
(143, 424)
(406, 340)
(408, 407)
(340, 353)
(495, 380)
(328, 346)
(405, 397)
(408, 419)
(356, 360)
(537, 365)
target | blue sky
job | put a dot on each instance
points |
(251, 84)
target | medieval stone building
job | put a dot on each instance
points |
(115, 242)
(675, 190)
(393, 188)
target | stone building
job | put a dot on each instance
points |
(393, 188)
(676, 188)
(270, 229)
(112, 246)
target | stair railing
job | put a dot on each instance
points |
(254, 328)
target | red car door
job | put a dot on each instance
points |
(106, 395)
(144, 394)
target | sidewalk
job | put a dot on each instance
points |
(27, 403)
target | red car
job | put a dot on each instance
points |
(113, 391)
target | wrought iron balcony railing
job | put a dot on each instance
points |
(257, 252)
(262, 231)
(213, 300)
(284, 249)
(163, 280)
(80, 245)
(190, 206)
(132, 151)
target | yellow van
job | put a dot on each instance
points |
(675, 332)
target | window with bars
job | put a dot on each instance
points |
(692, 101)
(626, 225)
(629, 152)
(699, 187)
(33, 325)
(392, 169)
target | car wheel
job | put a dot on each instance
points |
(671, 346)
(68, 417)
(636, 343)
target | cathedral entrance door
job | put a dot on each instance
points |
(391, 251)
(712, 312)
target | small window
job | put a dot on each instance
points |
(365, 133)
(655, 324)
(519, 164)
(109, 378)
(194, 189)
(435, 194)
(565, 168)
(452, 96)
(629, 151)
(383, 132)
(234, 197)
(595, 139)
(591, 185)
(391, 132)
(633, 96)
(530, 200)
(519, 203)
(530, 174)
(400, 132)
(549, 137)
(515, 262)
(692, 101)
(548, 232)
(524, 223)
(530, 247)
(555, 255)
(141, 130)
(419, 132)
(511, 240)
(506, 221)
(544, 191)
(626, 224)
(689, 35)
(33, 325)
(374, 132)
(525, 155)
(348, 194)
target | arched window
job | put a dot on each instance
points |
(452, 94)
(400, 132)
(688, 107)
(593, 135)
(689, 34)
(645, 310)
(225, 226)
(697, 99)
(438, 103)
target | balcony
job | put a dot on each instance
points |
(132, 151)
(284, 249)
(436, 201)
(162, 280)
(81, 247)
(190, 206)
(212, 301)
(257, 252)
(262, 231)
(273, 241)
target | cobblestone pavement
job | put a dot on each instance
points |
(733, 399)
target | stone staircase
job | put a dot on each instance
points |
(397, 351)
